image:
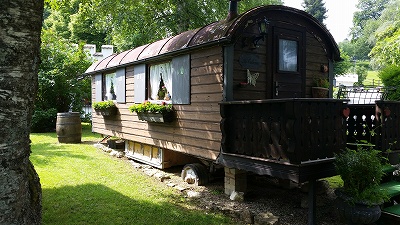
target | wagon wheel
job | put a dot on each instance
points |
(195, 173)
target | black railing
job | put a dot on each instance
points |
(375, 124)
(285, 130)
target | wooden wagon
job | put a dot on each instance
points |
(241, 94)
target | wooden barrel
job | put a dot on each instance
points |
(69, 127)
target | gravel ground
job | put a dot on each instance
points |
(264, 195)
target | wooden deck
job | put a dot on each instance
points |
(287, 138)
(296, 138)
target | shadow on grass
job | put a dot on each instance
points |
(98, 204)
(46, 153)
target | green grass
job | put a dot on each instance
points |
(372, 78)
(83, 185)
(335, 181)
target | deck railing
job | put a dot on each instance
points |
(284, 130)
(377, 124)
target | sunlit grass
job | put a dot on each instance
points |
(373, 79)
(83, 185)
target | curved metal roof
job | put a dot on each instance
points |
(218, 32)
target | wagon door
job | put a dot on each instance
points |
(288, 63)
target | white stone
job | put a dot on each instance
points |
(237, 196)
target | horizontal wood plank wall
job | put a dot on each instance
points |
(243, 48)
(196, 131)
(316, 56)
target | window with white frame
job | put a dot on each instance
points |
(166, 81)
(160, 82)
(109, 87)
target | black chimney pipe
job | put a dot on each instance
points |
(233, 10)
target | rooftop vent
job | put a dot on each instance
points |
(233, 10)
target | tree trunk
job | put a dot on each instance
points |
(20, 190)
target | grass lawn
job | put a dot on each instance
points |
(372, 78)
(83, 185)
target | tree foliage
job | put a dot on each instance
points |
(387, 48)
(316, 8)
(62, 64)
(128, 24)
(390, 77)
(342, 67)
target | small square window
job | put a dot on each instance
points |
(288, 53)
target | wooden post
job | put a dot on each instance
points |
(311, 202)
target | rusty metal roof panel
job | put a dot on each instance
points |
(104, 63)
(92, 68)
(117, 59)
(133, 55)
(212, 32)
(153, 49)
(178, 42)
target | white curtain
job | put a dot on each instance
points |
(163, 70)
(167, 77)
(110, 79)
(155, 78)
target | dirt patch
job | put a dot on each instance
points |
(265, 196)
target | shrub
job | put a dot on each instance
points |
(361, 172)
(44, 120)
(390, 77)
(151, 107)
(103, 105)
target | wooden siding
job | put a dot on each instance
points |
(196, 131)
(315, 54)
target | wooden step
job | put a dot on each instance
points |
(392, 188)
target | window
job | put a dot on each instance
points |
(167, 81)
(111, 86)
(287, 55)
(160, 82)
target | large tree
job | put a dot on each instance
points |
(20, 191)
(128, 24)
(316, 8)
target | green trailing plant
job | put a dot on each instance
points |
(151, 107)
(361, 172)
(103, 105)
(321, 82)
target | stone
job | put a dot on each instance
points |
(171, 184)
(193, 194)
(237, 196)
(247, 217)
(162, 176)
(266, 219)
(180, 188)
(149, 172)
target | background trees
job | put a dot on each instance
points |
(316, 8)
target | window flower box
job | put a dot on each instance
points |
(105, 108)
(165, 117)
(153, 112)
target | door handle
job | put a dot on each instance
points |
(276, 88)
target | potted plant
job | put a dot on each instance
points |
(360, 198)
(105, 108)
(154, 112)
(321, 88)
